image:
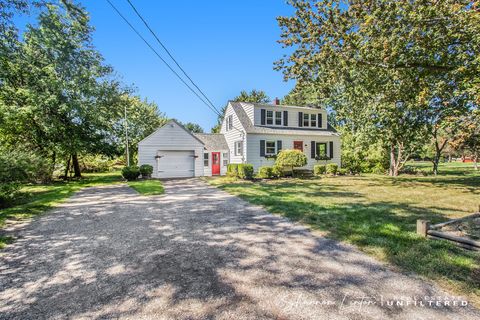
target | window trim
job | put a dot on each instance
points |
(272, 118)
(306, 117)
(316, 149)
(229, 124)
(281, 118)
(238, 151)
(274, 147)
(207, 158)
(225, 159)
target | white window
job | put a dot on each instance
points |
(229, 124)
(306, 120)
(278, 118)
(205, 159)
(313, 120)
(225, 159)
(270, 147)
(238, 148)
(269, 117)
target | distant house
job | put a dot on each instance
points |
(250, 133)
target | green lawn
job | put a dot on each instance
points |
(36, 199)
(147, 187)
(378, 214)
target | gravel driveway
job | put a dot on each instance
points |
(196, 253)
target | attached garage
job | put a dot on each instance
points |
(173, 152)
(176, 164)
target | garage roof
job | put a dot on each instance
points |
(213, 141)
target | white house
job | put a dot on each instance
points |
(250, 133)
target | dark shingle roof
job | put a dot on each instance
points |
(250, 128)
(213, 141)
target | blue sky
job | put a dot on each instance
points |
(225, 46)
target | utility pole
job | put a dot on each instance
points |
(126, 136)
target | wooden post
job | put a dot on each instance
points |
(422, 227)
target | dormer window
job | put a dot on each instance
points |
(310, 120)
(306, 120)
(278, 118)
(269, 117)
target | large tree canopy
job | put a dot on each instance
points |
(58, 98)
(256, 96)
(398, 67)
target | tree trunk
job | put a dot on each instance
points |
(76, 166)
(393, 170)
(67, 168)
(475, 162)
(438, 153)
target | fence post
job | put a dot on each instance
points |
(422, 227)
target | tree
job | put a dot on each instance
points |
(143, 118)
(467, 139)
(291, 159)
(396, 57)
(254, 96)
(59, 99)
(193, 127)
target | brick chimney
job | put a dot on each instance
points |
(276, 101)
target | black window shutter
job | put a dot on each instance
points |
(312, 151)
(262, 147)
(279, 145)
(285, 118)
(320, 120)
(300, 119)
(263, 116)
(331, 149)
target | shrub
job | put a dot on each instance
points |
(8, 191)
(277, 172)
(342, 171)
(319, 169)
(332, 168)
(232, 170)
(265, 173)
(146, 170)
(95, 163)
(291, 159)
(409, 170)
(245, 171)
(131, 173)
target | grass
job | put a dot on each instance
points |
(36, 199)
(378, 214)
(147, 187)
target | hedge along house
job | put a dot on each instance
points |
(174, 152)
(251, 133)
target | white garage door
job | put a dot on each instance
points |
(176, 164)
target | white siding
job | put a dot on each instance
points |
(170, 137)
(253, 148)
(292, 115)
(235, 134)
(208, 170)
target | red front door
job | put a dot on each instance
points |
(298, 145)
(215, 163)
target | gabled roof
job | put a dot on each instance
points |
(213, 141)
(178, 124)
(250, 128)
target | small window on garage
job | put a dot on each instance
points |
(225, 159)
(205, 159)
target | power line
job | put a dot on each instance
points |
(169, 54)
(160, 57)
